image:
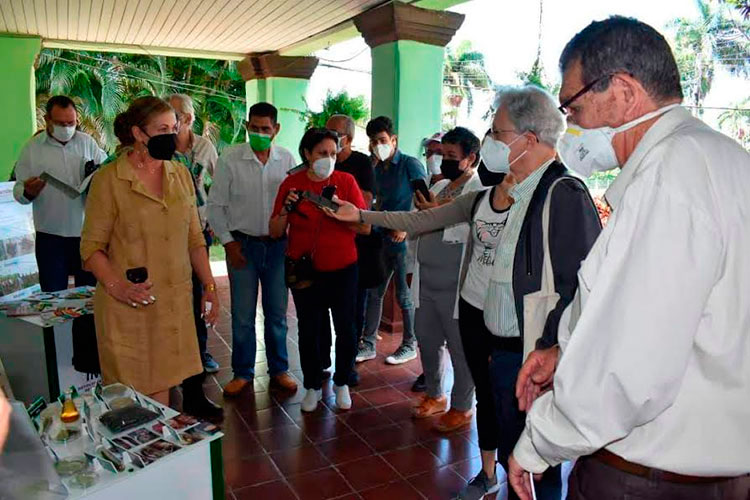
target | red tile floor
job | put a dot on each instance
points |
(272, 451)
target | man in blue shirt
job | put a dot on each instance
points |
(394, 174)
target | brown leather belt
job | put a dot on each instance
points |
(619, 463)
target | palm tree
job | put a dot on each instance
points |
(463, 73)
(736, 122)
(536, 75)
(707, 43)
(102, 85)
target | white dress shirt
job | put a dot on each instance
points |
(655, 363)
(54, 212)
(244, 190)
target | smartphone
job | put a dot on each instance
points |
(137, 275)
(421, 186)
(328, 192)
(319, 200)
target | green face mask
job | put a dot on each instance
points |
(259, 142)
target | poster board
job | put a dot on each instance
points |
(19, 276)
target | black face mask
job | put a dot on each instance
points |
(487, 178)
(450, 169)
(162, 147)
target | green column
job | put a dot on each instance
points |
(17, 97)
(288, 95)
(407, 86)
(407, 45)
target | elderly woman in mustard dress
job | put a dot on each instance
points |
(140, 213)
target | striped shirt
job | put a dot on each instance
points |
(500, 305)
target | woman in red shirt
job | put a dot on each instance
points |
(329, 245)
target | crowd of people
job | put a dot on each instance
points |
(624, 349)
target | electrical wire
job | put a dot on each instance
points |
(344, 60)
(154, 75)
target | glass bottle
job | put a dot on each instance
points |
(69, 412)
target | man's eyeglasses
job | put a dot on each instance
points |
(564, 106)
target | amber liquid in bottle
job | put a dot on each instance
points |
(69, 412)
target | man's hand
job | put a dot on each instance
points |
(32, 187)
(519, 479)
(398, 236)
(234, 254)
(423, 203)
(536, 376)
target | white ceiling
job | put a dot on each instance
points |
(229, 26)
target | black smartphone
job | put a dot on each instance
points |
(319, 200)
(137, 275)
(421, 186)
(328, 192)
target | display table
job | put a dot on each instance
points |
(193, 471)
(38, 351)
(38, 358)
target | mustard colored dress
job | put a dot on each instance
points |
(155, 347)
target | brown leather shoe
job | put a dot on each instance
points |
(453, 420)
(430, 406)
(284, 381)
(235, 387)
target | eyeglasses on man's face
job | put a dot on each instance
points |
(565, 106)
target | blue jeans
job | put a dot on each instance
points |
(395, 267)
(504, 368)
(265, 263)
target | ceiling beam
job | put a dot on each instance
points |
(346, 30)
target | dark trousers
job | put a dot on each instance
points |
(58, 258)
(477, 341)
(504, 367)
(594, 480)
(334, 290)
(359, 323)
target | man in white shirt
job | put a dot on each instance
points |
(240, 202)
(651, 386)
(62, 151)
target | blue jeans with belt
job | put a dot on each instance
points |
(265, 265)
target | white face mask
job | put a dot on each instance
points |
(339, 146)
(433, 164)
(63, 134)
(590, 150)
(496, 155)
(323, 167)
(383, 151)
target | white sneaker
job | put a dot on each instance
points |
(310, 402)
(343, 398)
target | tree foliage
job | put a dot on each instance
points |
(463, 73)
(702, 45)
(102, 85)
(338, 104)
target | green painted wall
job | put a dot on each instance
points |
(407, 86)
(287, 94)
(17, 97)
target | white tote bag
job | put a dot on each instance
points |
(537, 305)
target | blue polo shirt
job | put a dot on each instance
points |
(393, 190)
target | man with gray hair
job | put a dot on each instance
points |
(652, 372)
(199, 155)
(504, 261)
